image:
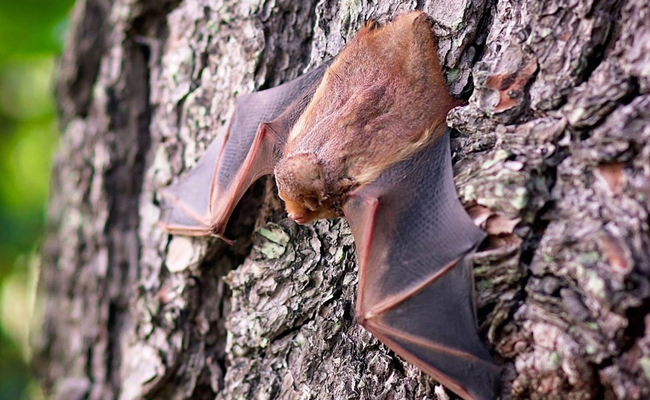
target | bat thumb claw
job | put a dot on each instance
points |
(230, 242)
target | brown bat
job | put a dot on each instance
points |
(364, 136)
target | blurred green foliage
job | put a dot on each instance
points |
(31, 36)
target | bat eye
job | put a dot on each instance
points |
(311, 202)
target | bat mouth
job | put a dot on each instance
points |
(299, 218)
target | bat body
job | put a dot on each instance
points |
(364, 136)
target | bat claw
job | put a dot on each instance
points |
(230, 242)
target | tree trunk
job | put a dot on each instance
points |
(552, 151)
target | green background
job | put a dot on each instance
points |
(31, 38)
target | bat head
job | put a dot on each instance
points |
(303, 187)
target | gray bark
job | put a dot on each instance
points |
(552, 151)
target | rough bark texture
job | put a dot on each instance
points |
(552, 151)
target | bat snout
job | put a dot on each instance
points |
(302, 212)
(296, 210)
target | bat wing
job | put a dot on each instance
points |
(201, 202)
(413, 237)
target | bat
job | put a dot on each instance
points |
(364, 136)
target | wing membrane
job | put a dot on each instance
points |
(415, 289)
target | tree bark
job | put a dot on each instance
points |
(552, 152)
